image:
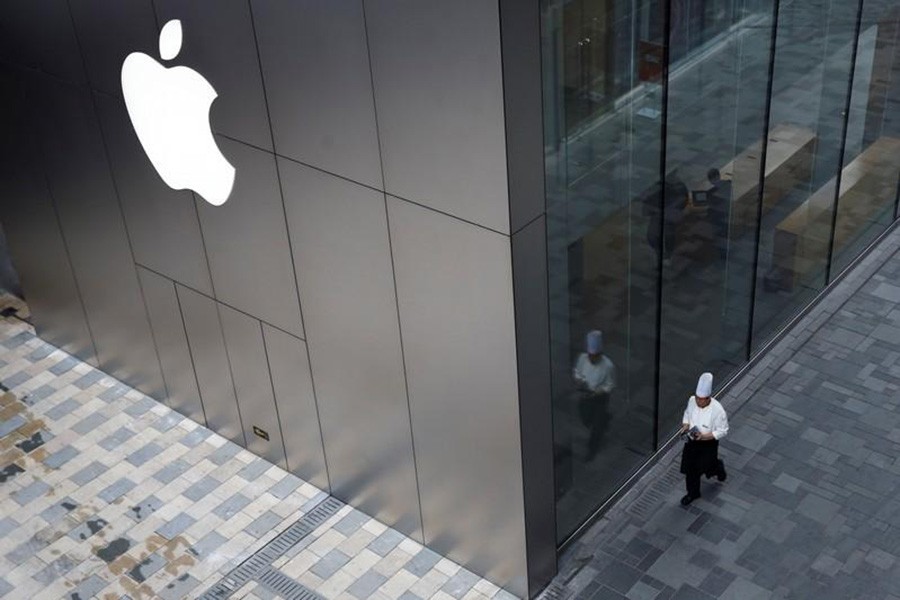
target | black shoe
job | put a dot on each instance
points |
(722, 476)
(687, 499)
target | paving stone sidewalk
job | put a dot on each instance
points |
(107, 493)
(811, 508)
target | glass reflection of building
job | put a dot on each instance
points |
(642, 99)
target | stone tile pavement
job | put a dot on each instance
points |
(811, 508)
(106, 493)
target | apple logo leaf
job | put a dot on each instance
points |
(169, 110)
(170, 40)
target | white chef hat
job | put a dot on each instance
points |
(594, 342)
(704, 385)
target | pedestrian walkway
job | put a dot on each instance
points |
(811, 508)
(107, 493)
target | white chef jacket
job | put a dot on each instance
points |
(710, 419)
(599, 378)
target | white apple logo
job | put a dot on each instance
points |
(169, 109)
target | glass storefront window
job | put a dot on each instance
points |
(692, 200)
(603, 72)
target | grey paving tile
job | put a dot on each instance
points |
(253, 470)
(178, 588)
(139, 407)
(329, 564)
(116, 439)
(89, 473)
(211, 542)
(7, 524)
(167, 421)
(40, 352)
(172, 471)
(63, 408)
(59, 510)
(116, 490)
(142, 455)
(87, 529)
(384, 543)
(88, 379)
(460, 583)
(63, 366)
(193, 438)
(286, 486)
(224, 453)
(364, 587)
(61, 457)
(263, 524)
(117, 390)
(89, 423)
(16, 379)
(231, 506)
(422, 562)
(145, 508)
(11, 424)
(5, 587)
(89, 588)
(176, 526)
(147, 567)
(39, 394)
(351, 522)
(202, 488)
(17, 340)
(27, 494)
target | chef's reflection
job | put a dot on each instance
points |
(595, 377)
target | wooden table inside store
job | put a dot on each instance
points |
(868, 186)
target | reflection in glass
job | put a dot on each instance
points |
(871, 162)
(714, 132)
(811, 78)
(662, 269)
(603, 72)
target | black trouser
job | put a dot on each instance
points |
(700, 458)
(594, 410)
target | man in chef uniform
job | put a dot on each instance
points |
(704, 423)
(595, 376)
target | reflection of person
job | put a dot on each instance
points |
(595, 375)
(704, 423)
(675, 200)
(719, 205)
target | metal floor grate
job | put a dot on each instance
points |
(278, 583)
(555, 591)
(656, 493)
(252, 567)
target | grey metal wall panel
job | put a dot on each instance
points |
(319, 86)
(33, 234)
(162, 223)
(92, 224)
(219, 43)
(296, 401)
(172, 345)
(454, 285)
(110, 31)
(247, 242)
(204, 335)
(253, 384)
(343, 262)
(520, 28)
(40, 35)
(439, 97)
(529, 259)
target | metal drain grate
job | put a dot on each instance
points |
(656, 493)
(275, 549)
(555, 591)
(278, 583)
